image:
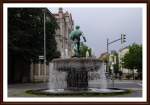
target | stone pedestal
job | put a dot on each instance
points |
(77, 71)
(77, 80)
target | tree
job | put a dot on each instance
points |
(25, 33)
(26, 39)
(133, 59)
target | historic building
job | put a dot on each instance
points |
(66, 25)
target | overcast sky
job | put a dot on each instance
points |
(98, 24)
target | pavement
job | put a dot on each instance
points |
(134, 85)
(19, 90)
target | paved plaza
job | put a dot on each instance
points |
(19, 90)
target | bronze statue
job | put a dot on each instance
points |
(75, 37)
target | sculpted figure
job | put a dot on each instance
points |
(75, 37)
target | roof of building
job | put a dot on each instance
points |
(127, 47)
(63, 14)
(103, 54)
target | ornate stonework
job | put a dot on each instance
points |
(66, 25)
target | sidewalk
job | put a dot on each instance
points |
(128, 81)
(18, 90)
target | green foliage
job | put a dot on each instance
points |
(26, 33)
(133, 59)
(83, 49)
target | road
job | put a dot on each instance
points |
(135, 86)
(18, 90)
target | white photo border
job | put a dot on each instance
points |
(68, 99)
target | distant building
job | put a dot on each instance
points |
(113, 57)
(121, 54)
(104, 57)
(66, 25)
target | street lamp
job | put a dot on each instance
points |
(44, 42)
(123, 40)
(107, 65)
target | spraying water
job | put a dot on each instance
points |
(51, 78)
(103, 79)
(77, 74)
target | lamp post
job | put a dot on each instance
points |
(107, 65)
(123, 40)
(44, 43)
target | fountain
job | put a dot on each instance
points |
(78, 74)
(75, 75)
(73, 72)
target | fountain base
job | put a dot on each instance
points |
(90, 92)
(75, 80)
(73, 73)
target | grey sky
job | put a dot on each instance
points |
(98, 24)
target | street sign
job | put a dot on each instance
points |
(41, 57)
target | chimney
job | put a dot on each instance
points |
(60, 10)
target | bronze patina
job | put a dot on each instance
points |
(75, 37)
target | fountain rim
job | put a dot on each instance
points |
(62, 92)
(76, 59)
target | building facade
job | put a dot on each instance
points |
(66, 25)
(121, 54)
(116, 58)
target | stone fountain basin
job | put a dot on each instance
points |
(88, 64)
(76, 70)
(89, 92)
